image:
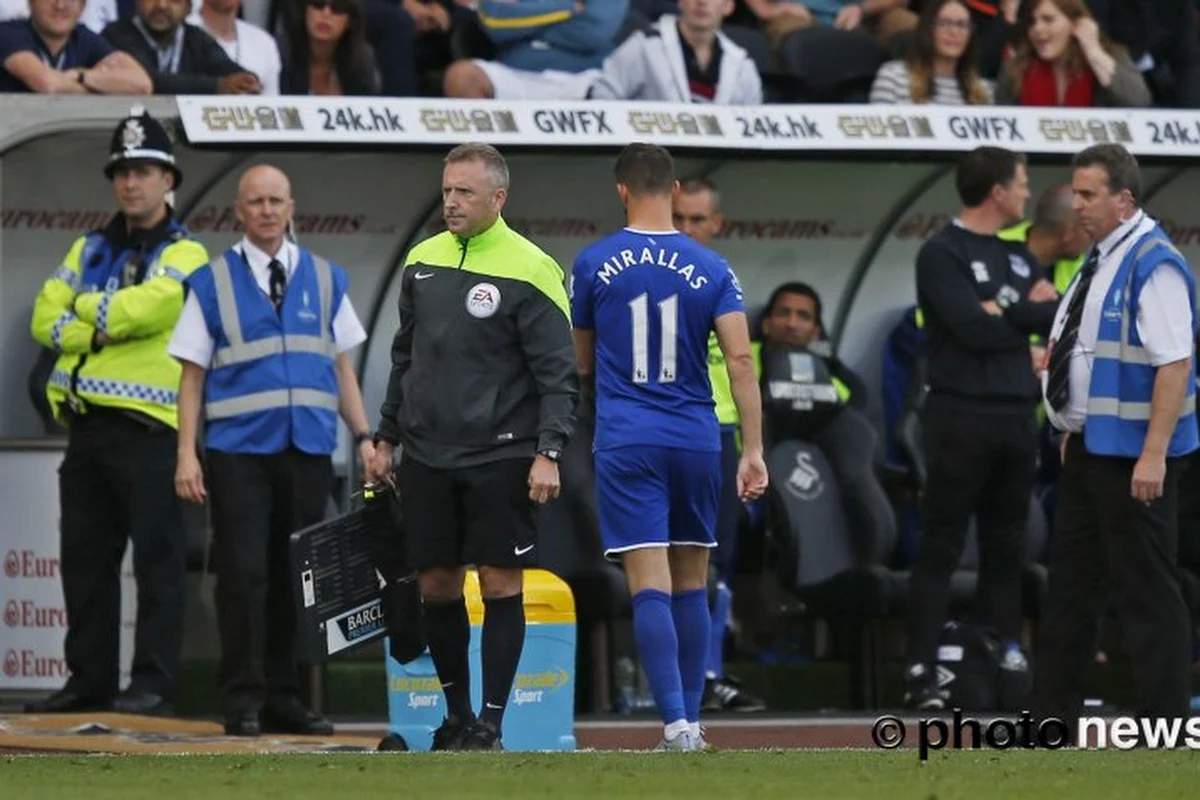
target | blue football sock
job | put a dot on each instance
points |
(690, 610)
(658, 649)
(716, 636)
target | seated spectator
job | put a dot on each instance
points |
(329, 54)
(96, 13)
(1062, 59)
(940, 67)
(995, 31)
(546, 49)
(684, 59)
(181, 58)
(1162, 39)
(881, 19)
(51, 53)
(389, 35)
(250, 47)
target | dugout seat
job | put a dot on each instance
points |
(832, 562)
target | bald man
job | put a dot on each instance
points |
(263, 340)
(1053, 236)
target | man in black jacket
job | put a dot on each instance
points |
(982, 298)
(181, 58)
(482, 397)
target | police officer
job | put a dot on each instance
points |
(696, 211)
(109, 311)
(982, 298)
(482, 397)
(1120, 385)
(263, 341)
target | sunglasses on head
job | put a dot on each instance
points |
(336, 6)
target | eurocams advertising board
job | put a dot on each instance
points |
(31, 601)
(406, 121)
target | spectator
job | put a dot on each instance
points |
(51, 53)
(387, 30)
(684, 59)
(1062, 59)
(96, 13)
(181, 58)
(1162, 39)
(881, 19)
(328, 54)
(546, 49)
(434, 21)
(941, 63)
(251, 47)
(995, 29)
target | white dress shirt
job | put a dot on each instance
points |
(252, 48)
(1164, 319)
(193, 342)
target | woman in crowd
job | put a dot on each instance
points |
(325, 51)
(1062, 59)
(940, 66)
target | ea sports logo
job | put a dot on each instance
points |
(12, 614)
(483, 300)
(12, 564)
(12, 664)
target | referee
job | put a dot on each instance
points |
(982, 297)
(482, 397)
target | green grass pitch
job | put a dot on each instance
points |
(757, 775)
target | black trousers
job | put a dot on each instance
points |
(257, 502)
(983, 465)
(116, 485)
(1108, 546)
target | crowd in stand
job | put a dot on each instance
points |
(1073, 53)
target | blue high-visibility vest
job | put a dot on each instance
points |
(1122, 382)
(272, 382)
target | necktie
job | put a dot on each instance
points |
(1058, 384)
(278, 280)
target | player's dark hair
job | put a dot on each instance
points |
(795, 287)
(1120, 165)
(982, 169)
(645, 169)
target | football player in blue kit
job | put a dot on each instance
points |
(644, 302)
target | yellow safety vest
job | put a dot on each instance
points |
(134, 372)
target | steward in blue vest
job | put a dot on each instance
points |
(272, 383)
(1120, 383)
(263, 339)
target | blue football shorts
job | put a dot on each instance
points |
(650, 496)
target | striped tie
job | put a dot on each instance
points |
(1058, 383)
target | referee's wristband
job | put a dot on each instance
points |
(365, 436)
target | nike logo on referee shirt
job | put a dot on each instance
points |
(520, 551)
(423, 275)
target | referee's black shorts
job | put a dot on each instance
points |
(479, 515)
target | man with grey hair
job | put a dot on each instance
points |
(482, 397)
(1120, 385)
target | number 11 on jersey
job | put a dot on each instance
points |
(668, 312)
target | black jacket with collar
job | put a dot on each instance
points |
(201, 63)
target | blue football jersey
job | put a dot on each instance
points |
(651, 299)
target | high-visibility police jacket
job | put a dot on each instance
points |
(1064, 270)
(272, 382)
(128, 287)
(1122, 381)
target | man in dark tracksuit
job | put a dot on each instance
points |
(982, 297)
(482, 397)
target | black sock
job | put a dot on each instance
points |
(503, 638)
(448, 634)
